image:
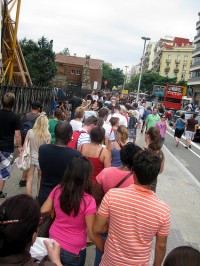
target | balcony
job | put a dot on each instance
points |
(196, 52)
(197, 38)
(194, 81)
(168, 61)
(167, 69)
(177, 61)
(197, 25)
(176, 70)
(195, 66)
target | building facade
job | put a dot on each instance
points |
(78, 72)
(194, 80)
(173, 58)
(148, 57)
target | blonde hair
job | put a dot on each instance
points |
(132, 113)
(41, 129)
(79, 111)
(124, 133)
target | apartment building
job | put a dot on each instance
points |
(194, 80)
(135, 70)
(173, 58)
(148, 57)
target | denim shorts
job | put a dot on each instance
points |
(189, 134)
(35, 163)
(71, 259)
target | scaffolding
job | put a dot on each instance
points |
(13, 69)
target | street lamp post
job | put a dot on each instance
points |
(138, 91)
(125, 77)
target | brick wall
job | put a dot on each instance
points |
(72, 74)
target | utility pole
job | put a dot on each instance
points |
(125, 77)
(138, 91)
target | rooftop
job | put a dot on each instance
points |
(75, 60)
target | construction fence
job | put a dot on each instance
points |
(26, 95)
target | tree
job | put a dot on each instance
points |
(148, 80)
(114, 76)
(40, 59)
(65, 51)
(182, 83)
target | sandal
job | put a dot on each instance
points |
(3, 195)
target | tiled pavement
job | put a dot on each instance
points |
(176, 186)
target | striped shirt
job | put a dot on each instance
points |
(136, 215)
(84, 138)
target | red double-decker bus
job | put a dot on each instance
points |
(173, 97)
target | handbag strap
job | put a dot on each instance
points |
(123, 180)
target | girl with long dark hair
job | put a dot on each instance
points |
(153, 141)
(75, 211)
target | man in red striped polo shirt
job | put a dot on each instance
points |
(135, 216)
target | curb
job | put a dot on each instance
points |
(181, 166)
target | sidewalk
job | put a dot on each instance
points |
(181, 191)
(176, 186)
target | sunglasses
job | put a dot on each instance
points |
(163, 116)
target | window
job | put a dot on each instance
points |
(173, 100)
(185, 58)
(182, 76)
(78, 72)
(178, 59)
(72, 72)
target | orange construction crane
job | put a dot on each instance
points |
(13, 70)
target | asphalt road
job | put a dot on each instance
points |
(190, 158)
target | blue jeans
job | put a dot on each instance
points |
(162, 141)
(71, 259)
(99, 254)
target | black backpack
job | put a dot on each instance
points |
(132, 122)
(26, 125)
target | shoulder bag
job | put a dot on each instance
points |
(23, 161)
(47, 218)
(97, 190)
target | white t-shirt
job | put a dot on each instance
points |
(108, 131)
(95, 97)
(137, 114)
(122, 119)
(141, 110)
(88, 114)
(76, 124)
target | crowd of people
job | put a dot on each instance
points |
(91, 172)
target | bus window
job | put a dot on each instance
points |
(173, 100)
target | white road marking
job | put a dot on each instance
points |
(184, 145)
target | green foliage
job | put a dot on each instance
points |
(182, 83)
(40, 59)
(114, 76)
(149, 79)
(65, 51)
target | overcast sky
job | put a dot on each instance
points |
(110, 30)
